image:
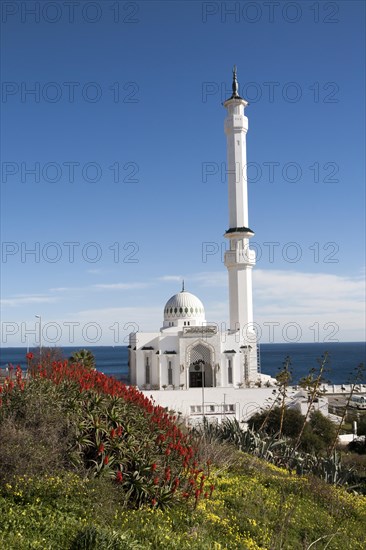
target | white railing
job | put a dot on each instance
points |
(330, 389)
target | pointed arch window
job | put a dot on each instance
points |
(170, 374)
(230, 371)
(147, 370)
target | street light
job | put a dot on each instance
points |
(40, 336)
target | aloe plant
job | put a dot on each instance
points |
(84, 358)
(312, 383)
(283, 380)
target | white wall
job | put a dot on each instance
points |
(246, 401)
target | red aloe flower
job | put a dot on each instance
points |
(106, 460)
(29, 356)
(101, 449)
(153, 467)
(119, 477)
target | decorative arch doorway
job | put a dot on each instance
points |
(200, 367)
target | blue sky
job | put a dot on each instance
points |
(124, 134)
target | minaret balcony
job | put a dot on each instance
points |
(239, 257)
(236, 123)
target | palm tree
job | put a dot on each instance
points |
(84, 358)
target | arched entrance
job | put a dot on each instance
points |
(200, 367)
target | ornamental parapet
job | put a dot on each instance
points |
(204, 330)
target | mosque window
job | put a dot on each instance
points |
(186, 310)
(180, 310)
(147, 371)
(170, 374)
(175, 310)
(230, 372)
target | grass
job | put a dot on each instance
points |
(254, 506)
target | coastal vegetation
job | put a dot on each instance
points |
(84, 358)
(318, 433)
(86, 462)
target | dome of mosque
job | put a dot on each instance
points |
(184, 305)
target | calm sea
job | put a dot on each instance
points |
(344, 357)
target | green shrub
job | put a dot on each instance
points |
(292, 422)
(318, 434)
(35, 433)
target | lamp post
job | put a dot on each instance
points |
(40, 336)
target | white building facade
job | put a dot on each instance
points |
(188, 354)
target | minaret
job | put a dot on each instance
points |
(239, 260)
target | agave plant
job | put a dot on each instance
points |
(280, 451)
(333, 471)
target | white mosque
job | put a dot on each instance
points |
(190, 365)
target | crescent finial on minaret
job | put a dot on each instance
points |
(235, 84)
(183, 285)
